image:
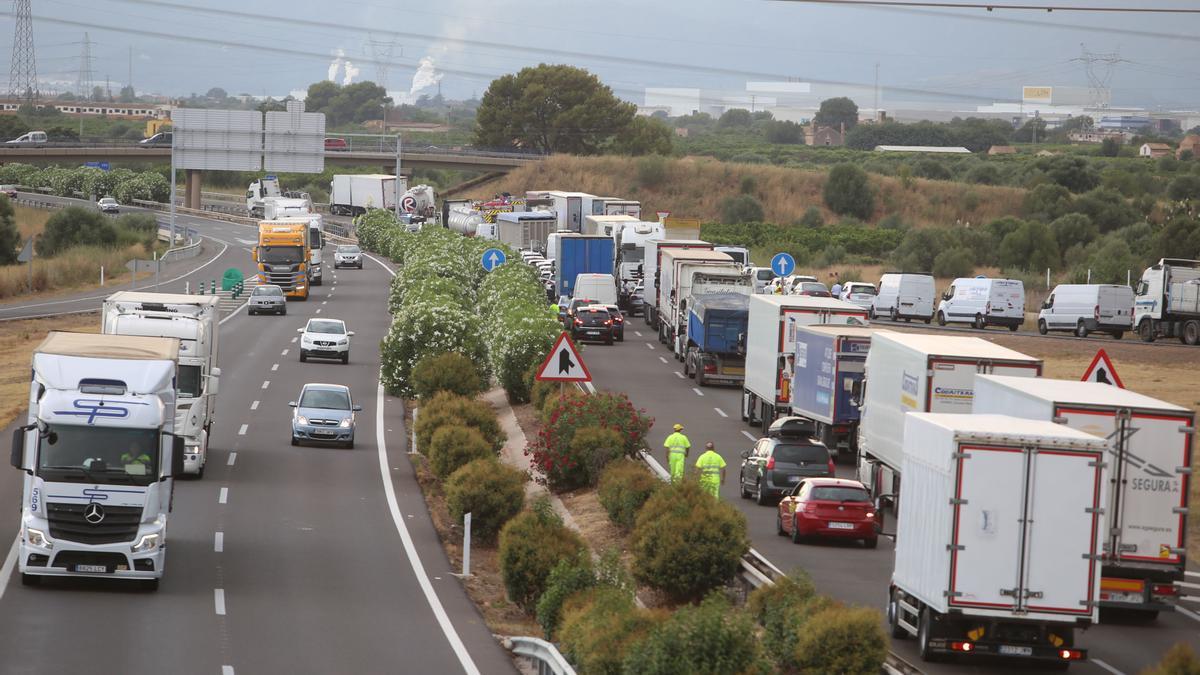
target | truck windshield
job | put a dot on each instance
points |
(187, 381)
(280, 254)
(89, 454)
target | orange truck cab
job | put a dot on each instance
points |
(282, 256)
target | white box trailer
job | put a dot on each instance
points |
(998, 538)
(569, 207)
(1150, 450)
(354, 193)
(526, 230)
(906, 373)
(771, 345)
(683, 272)
(650, 270)
(193, 321)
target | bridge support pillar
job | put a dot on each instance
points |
(191, 189)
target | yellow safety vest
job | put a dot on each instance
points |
(677, 445)
(710, 465)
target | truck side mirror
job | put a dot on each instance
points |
(856, 391)
(214, 379)
(176, 456)
(745, 454)
(18, 449)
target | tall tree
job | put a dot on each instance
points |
(835, 112)
(551, 108)
(644, 136)
(10, 237)
(347, 104)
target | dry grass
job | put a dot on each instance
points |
(74, 269)
(19, 339)
(694, 188)
(30, 221)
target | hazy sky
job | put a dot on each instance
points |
(629, 44)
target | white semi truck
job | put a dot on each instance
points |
(998, 538)
(686, 274)
(354, 193)
(193, 321)
(1167, 301)
(100, 456)
(907, 373)
(259, 192)
(1149, 455)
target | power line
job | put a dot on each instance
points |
(22, 77)
(992, 6)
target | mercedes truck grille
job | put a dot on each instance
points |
(71, 522)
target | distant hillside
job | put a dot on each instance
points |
(694, 187)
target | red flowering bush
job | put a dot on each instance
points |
(567, 464)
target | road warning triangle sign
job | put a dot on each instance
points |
(1102, 371)
(563, 363)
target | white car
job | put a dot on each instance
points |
(108, 205)
(325, 339)
(347, 255)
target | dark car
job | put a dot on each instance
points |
(336, 144)
(788, 454)
(618, 322)
(828, 507)
(566, 310)
(159, 140)
(592, 322)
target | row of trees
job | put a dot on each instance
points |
(91, 182)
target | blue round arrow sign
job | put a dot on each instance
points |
(493, 258)
(783, 264)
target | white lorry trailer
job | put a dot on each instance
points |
(193, 321)
(1167, 302)
(771, 345)
(998, 541)
(100, 456)
(525, 230)
(354, 193)
(908, 373)
(688, 273)
(1149, 452)
(650, 270)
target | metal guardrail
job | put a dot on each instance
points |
(181, 252)
(544, 654)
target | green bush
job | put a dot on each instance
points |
(953, 263)
(846, 640)
(450, 372)
(624, 488)
(781, 609)
(531, 545)
(452, 447)
(540, 392)
(565, 465)
(651, 171)
(446, 409)
(1032, 246)
(75, 226)
(709, 638)
(743, 208)
(490, 491)
(568, 577)
(685, 543)
(848, 192)
(1180, 659)
(10, 236)
(599, 626)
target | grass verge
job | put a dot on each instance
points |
(20, 338)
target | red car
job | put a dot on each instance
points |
(828, 507)
(336, 144)
(813, 289)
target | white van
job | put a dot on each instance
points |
(602, 288)
(904, 296)
(31, 138)
(983, 302)
(858, 293)
(762, 278)
(1086, 308)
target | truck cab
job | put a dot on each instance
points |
(257, 194)
(282, 256)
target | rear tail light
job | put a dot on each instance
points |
(962, 646)
(710, 368)
(1165, 589)
(770, 463)
(1070, 654)
(608, 322)
(831, 469)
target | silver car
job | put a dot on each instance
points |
(324, 414)
(347, 255)
(108, 205)
(267, 299)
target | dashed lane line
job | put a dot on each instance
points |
(219, 601)
(242, 429)
(697, 390)
(223, 496)
(720, 412)
(219, 542)
(232, 459)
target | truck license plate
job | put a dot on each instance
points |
(92, 569)
(1015, 650)
(1123, 597)
(841, 526)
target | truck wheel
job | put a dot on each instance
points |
(1042, 327)
(1191, 332)
(1146, 330)
(1118, 334)
(1081, 329)
(30, 579)
(1013, 327)
(894, 315)
(928, 319)
(941, 318)
(978, 322)
(924, 635)
(897, 631)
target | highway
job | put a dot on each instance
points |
(645, 370)
(281, 559)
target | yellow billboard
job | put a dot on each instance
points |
(1037, 94)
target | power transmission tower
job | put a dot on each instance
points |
(1100, 69)
(381, 52)
(22, 78)
(84, 84)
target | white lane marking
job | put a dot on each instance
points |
(232, 458)
(663, 359)
(637, 333)
(460, 650)
(9, 563)
(274, 367)
(697, 390)
(247, 242)
(219, 600)
(318, 311)
(720, 412)
(294, 340)
(1107, 667)
(1187, 612)
(649, 345)
(680, 375)
(219, 542)
(324, 302)
(242, 430)
(254, 405)
(1192, 574)
(226, 670)
(749, 435)
(266, 383)
(284, 352)
(223, 497)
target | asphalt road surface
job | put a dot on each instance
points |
(646, 370)
(281, 559)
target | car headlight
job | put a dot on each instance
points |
(148, 542)
(343, 341)
(37, 538)
(346, 423)
(301, 419)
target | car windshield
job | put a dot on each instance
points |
(268, 290)
(330, 327)
(329, 399)
(840, 494)
(795, 454)
(347, 249)
(187, 381)
(108, 200)
(280, 254)
(91, 454)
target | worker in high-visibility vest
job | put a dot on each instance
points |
(712, 470)
(677, 446)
